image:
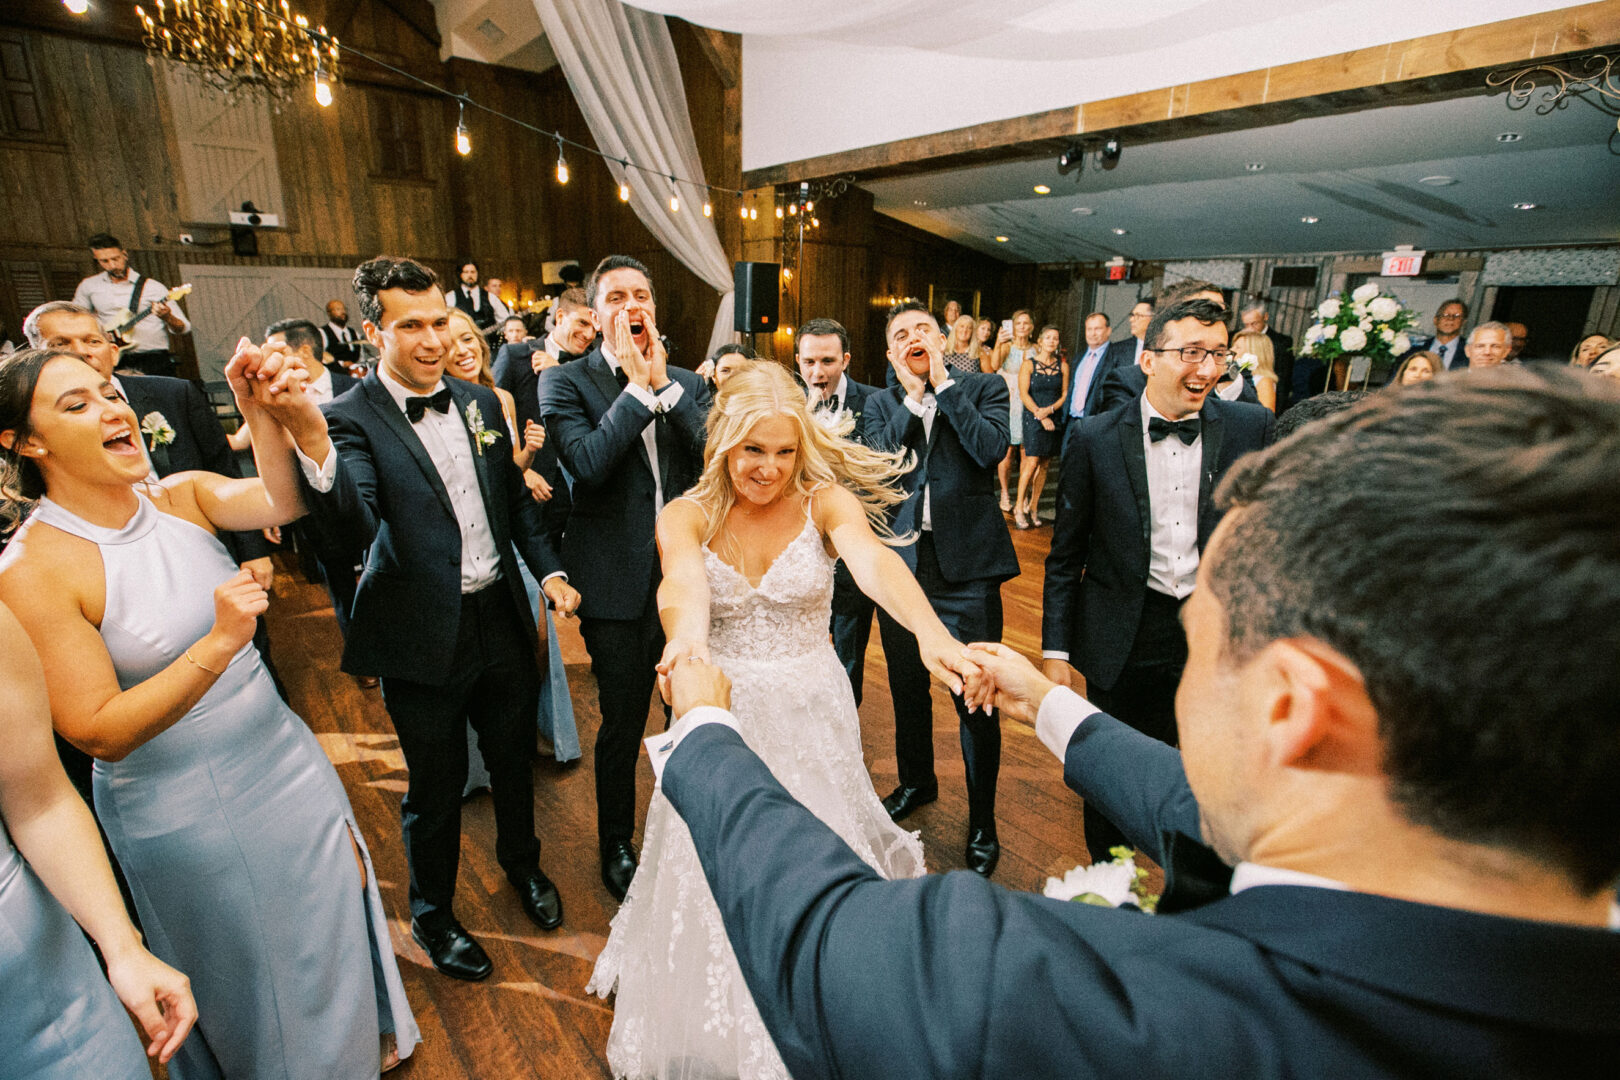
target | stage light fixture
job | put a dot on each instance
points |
(1074, 155)
(1110, 152)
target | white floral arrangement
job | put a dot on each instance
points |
(155, 426)
(482, 436)
(1370, 324)
(1116, 883)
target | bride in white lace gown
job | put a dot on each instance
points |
(748, 576)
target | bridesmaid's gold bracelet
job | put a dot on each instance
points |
(194, 660)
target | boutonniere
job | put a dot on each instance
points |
(155, 426)
(482, 436)
(1116, 883)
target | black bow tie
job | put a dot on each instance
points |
(417, 407)
(1186, 430)
(831, 404)
(623, 377)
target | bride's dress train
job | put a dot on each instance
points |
(683, 1011)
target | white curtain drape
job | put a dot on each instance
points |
(621, 67)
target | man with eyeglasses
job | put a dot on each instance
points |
(1135, 509)
(1447, 341)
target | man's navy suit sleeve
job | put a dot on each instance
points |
(346, 517)
(855, 976)
(889, 426)
(216, 456)
(977, 408)
(1137, 781)
(1071, 541)
(590, 452)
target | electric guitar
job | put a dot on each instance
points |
(127, 322)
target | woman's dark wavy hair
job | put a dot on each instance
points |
(21, 482)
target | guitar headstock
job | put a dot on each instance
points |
(180, 292)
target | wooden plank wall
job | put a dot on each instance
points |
(106, 161)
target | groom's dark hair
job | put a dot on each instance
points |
(1459, 542)
(388, 272)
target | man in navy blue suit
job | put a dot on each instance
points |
(1135, 509)
(955, 427)
(1420, 816)
(418, 469)
(629, 428)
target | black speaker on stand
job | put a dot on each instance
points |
(758, 300)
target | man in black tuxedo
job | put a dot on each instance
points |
(1423, 878)
(517, 370)
(1256, 319)
(629, 429)
(486, 309)
(821, 351)
(1135, 509)
(339, 340)
(418, 469)
(956, 427)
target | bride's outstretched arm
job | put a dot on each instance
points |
(683, 594)
(884, 576)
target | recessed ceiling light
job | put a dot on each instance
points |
(1509, 136)
(1438, 181)
(1310, 219)
(1526, 206)
(1254, 166)
(1083, 211)
(1001, 239)
(1042, 189)
(1120, 232)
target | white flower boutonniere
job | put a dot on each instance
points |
(1116, 883)
(482, 436)
(155, 426)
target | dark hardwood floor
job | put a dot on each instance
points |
(532, 1017)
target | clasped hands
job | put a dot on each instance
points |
(271, 379)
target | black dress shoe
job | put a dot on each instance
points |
(539, 898)
(903, 800)
(618, 867)
(453, 950)
(983, 851)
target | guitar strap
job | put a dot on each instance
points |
(134, 304)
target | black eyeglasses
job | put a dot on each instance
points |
(1194, 355)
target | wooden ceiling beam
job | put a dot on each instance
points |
(1428, 68)
(724, 51)
(418, 15)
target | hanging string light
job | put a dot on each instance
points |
(77, 7)
(708, 209)
(674, 199)
(624, 192)
(562, 164)
(323, 85)
(463, 137)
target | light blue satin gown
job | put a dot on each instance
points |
(233, 830)
(59, 1020)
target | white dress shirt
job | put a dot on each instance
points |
(444, 437)
(1173, 470)
(489, 300)
(840, 394)
(320, 387)
(109, 298)
(665, 400)
(927, 408)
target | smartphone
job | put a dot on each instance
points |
(1006, 326)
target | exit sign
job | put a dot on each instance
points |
(1118, 271)
(1403, 263)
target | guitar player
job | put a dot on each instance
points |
(116, 293)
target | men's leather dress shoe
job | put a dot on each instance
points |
(618, 867)
(540, 900)
(453, 950)
(983, 851)
(903, 800)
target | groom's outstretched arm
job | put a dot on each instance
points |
(855, 976)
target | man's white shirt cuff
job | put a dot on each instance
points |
(321, 477)
(659, 747)
(1060, 715)
(670, 396)
(1054, 654)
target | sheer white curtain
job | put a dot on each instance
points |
(621, 67)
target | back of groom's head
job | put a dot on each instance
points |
(1459, 544)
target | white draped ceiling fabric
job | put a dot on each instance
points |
(825, 76)
(621, 67)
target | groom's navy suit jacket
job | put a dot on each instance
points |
(950, 975)
(957, 464)
(387, 496)
(609, 547)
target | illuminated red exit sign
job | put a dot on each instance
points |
(1403, 263)
(1118, 271)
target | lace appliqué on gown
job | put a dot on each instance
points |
(683, 1011)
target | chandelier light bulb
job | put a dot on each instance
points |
(78, 7)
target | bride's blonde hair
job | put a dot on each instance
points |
(763, 390)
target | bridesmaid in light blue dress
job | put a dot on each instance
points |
(61, 1019)
(231, 825)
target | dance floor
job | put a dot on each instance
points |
(532, 1017)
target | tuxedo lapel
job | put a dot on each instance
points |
(462, 398)
(607, 384)
(1130, 446)
(1214, 433)
(378, 398)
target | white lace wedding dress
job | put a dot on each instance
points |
(683, 1011)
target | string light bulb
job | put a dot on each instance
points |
(562, 164)
(624, 192)
(787, 273)
(708, 210)
(463, 136)
(742, 212)
(77, 7)
(778, 211)
(753, 214)
(323, 85)
(674, 199)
